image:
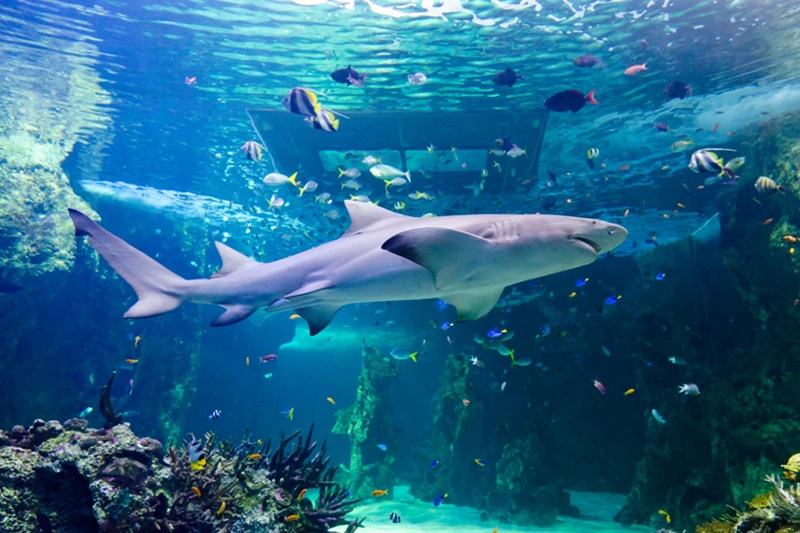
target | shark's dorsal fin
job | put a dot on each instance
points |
(456, 258)
(472, 306)
(364, 214)
(318, 316)
(231, 260)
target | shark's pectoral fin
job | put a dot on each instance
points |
(233, 314)
(308, 288)
(472, 306)
(231, 260)
(318, 317)
(152, 303)
(454, 257)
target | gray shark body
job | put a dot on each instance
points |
(466, 260)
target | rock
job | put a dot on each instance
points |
(76, 424)
(46, 431)
(18, 432)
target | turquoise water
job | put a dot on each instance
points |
(136, 112)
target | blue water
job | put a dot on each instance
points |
(147, 105)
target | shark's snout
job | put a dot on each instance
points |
(601, 236)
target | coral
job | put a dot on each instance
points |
(85, 479)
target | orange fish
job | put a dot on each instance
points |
(768, 222)
(465, 402)
(635, 69)
(254, 456)
(132, 361)
(302, 493)
(292, 517)
(196, 490)
(379, 492)
(624, 168)
(494, 530)
(331, 400)
(221, 508)
(136, 341)
(294, 316)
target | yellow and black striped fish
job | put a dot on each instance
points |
(325, 120)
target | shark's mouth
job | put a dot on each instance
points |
(589, 243)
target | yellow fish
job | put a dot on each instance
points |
(132, 361)
(629, 392)
(331, 400)
(573, 294)
(291, 413)
(136, 341)
(666, 515)
(221, 508)
(196, 490)
(254, 456)
(292, 517)
(198, 465)
(294, 316)
(302, 493)
(380, 492)
(247, 361)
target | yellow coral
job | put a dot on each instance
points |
(762, 501)
(715, 526)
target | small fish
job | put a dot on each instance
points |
(611, 300)
(585, 61)
(465, 402)
(379, 492)
(635, 69)
(402, 354)
(387, 171)
(660, 276)
(446, 325)
(418, 78)
(439, 499)
(416, 195)
(267, 358)
(599, 386)
(288, 412)
(523, 362)
(629, 392)
(581, 282)
(571, 100)
(331, 400)
(131, 361)
(508, 77)
(434, 463)
(196, 454)
(136, 341)
(302, 102)
(661, 126)
(268, 375)
(516, 151)
(678, 89)
(294, 316)
(323, 198)
(395, 518)
(214, 414)
(86, 412)
(680, 146)
(196, 491)
(190, 80)
(689, 389)
(704, 160)
(252, 150)
(665, 514)
(309, 186)
(382, 447)
(504, 350)
(302, 494)
(370, 160)
(765, 185)
(494, 333)
(325, 120)
(476, 362)
(503, 386)
(676, 360)
(292, 517)
(573, 294)
(275, 179)
(254, 456)
(733, 165)
(480, 462)
(348, 76)
(399, 206)
(660, 419)
(353, 184)
(349, 173)
(247, 361)
(591, 153)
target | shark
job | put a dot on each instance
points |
(465, 260)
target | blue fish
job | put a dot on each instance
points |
(581, 282)
(611, 300)
(382, 447)
(545, 331)
(495, 333)
(433, 464)
(441, 305)
(439, 499)
(660, 276)
(446, 325)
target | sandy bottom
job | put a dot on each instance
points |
(597, 511)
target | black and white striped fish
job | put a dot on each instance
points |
(302, 101)
(395, 518)
(214, 414)
(325, 120)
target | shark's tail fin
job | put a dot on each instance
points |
(157, 286)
